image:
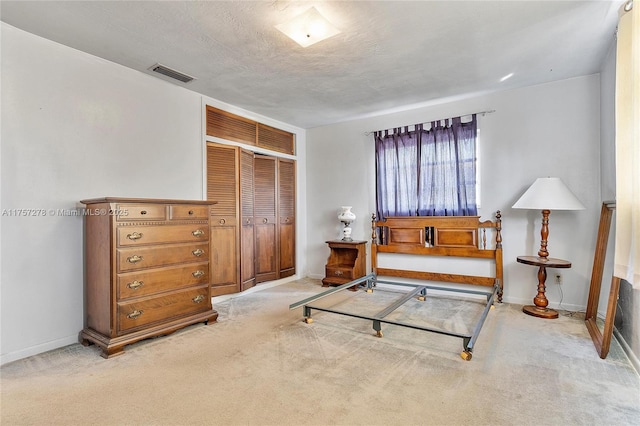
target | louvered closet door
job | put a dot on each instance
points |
(264, 173)
(247, 239)
(275, 139)
(287, 216)
(222, 187)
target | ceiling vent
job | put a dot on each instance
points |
(176, 75)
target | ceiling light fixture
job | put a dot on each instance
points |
(506, 77)
(308, 28)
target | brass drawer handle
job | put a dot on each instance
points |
(135, 284)
(198, 233)
(190, 212)
(135, 314)
(248, 221)
(265, 220)
(198, 252)
(222, 221)
(143, 212)
(134, 259)
(199, 298)
(197, 273)
(134, 236)
(338, 272)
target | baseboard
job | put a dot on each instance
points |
(565, 306)
(635, 362)
(38, 349)
(259, 287)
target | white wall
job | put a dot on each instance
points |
(74, 127)
(546, 130)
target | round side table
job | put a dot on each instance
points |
(539, 308)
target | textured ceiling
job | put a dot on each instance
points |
(389, 55)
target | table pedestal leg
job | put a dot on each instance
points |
(540, 308)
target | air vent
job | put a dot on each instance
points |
(176, 75)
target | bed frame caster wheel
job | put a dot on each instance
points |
(492, 307)
(379, 333)
(422, 298)
(308, 320)
(466, 355)
(369, 290)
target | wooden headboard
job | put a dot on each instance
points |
(453, 236)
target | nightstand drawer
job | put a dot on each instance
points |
(338, 272)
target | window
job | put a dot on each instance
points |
(427, 172)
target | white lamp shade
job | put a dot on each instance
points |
(548, 193)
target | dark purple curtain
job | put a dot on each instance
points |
(427, 172)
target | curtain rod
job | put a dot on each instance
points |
(482, 113)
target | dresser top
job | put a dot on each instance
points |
(145, 201)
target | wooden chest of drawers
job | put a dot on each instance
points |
(147, 269)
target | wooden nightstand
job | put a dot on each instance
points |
(346, 262)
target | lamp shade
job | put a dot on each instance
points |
(548, 193)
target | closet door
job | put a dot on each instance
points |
(247, 239)
(275, 139)
(222, 187)
(287, 216)
(265, 214)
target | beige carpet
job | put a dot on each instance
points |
(261, 365)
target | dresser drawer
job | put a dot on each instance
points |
(338, 272)
(130, 236)
(146, 311)
(129, 212)
(185, 212)
(130, 259)
(144, 283)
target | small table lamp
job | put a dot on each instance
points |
(545, 194)
(346, 216)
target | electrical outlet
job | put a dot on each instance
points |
(558, 279)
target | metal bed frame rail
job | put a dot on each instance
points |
(419, 290)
